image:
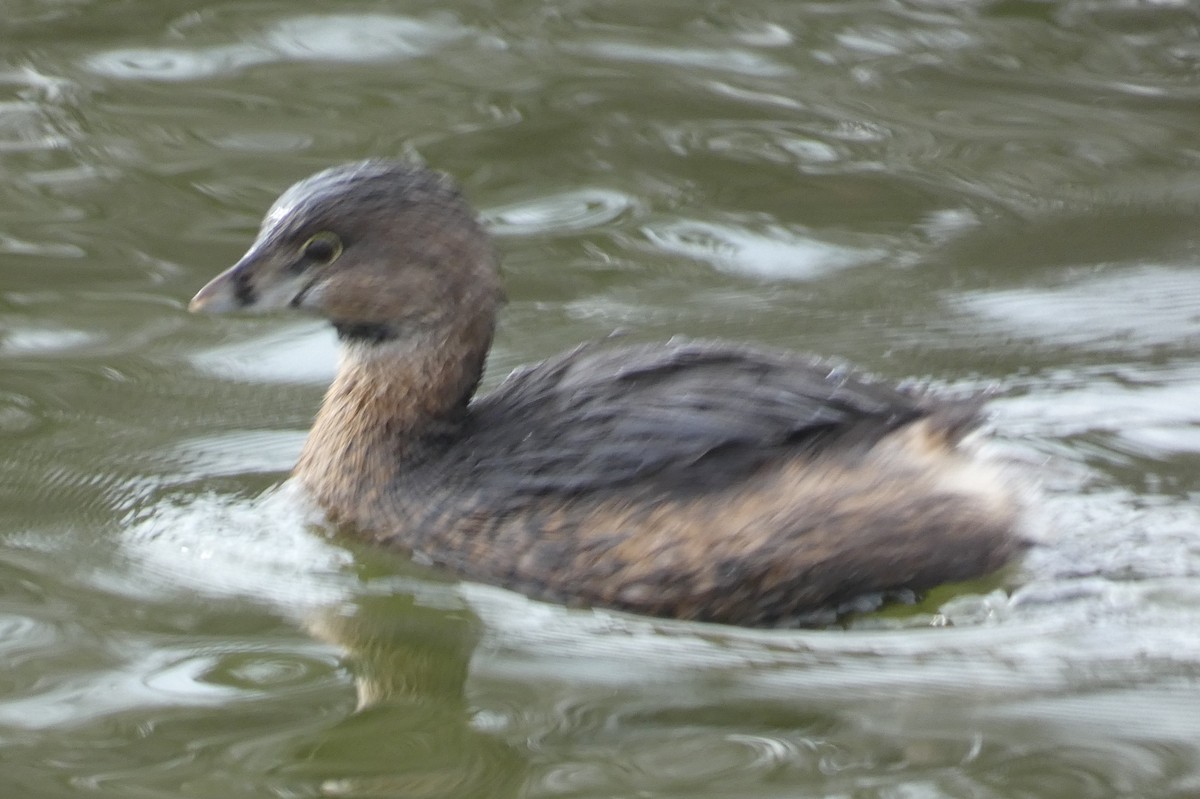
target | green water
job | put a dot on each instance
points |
(972, 193)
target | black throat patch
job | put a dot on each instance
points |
(365, 332)
(243, 292)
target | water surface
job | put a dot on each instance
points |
(974, 194)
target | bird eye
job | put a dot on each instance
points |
(323, 247)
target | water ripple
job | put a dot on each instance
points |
(42, 342)
(287, 355)
(335, 37)
(1123, 308)
(771, 252)
(264, 548)
(142, 677)
(238, 452)
(564, 212)
(717, 59)
(362, 37)
(671, 158)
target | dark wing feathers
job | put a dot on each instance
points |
(684, 414)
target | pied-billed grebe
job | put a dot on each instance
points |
(691, 479)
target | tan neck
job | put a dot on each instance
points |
(385, 398)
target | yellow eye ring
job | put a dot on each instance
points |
(323, 247)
